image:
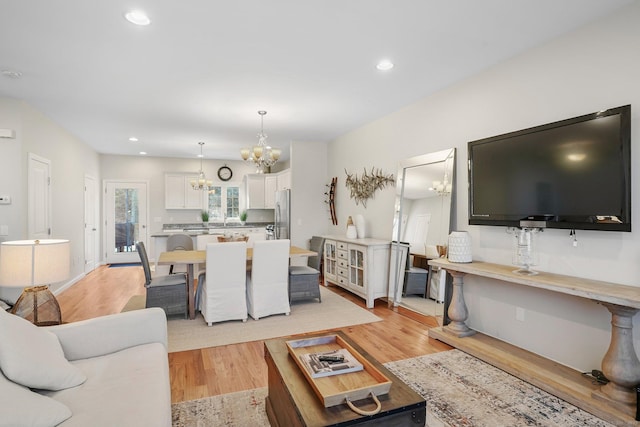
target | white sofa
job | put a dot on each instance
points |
(123, 357)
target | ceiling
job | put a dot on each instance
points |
(202, 69)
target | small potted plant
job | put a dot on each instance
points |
(243, 217)
(205, 216)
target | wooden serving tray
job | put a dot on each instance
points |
(334, 390)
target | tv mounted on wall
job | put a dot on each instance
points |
(571, 174)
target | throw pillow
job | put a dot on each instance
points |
(20, 406)
(33, 356)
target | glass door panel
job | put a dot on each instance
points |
(125, 220)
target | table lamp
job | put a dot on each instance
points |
(33, 265)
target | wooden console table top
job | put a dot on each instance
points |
(624, 295)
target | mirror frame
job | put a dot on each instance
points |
(422, 160)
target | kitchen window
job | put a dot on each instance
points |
(224, 200)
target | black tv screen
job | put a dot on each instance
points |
(572, 174)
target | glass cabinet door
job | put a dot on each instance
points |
(330, 259)
(356, 266)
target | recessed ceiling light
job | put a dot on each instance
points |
(137, 17)
(384, 65)
(143, 153)
(133, 139)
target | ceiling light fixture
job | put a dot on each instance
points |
(133, 139)
(201, 183)
(384, 65)
(137, 17)
(262, 155)
(143, 153)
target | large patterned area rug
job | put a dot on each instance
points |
(460, 390)
(306, 316)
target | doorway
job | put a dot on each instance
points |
(39, 197)
(125, 213)
(91, 248)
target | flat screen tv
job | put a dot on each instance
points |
(571, 174)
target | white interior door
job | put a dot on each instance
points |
(90, 223)
(125, 213)
(417, 236)
(39, 198)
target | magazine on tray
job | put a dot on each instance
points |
(328, 363)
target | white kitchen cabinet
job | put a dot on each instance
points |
(260, 190)
(284, 180)
(178, 193)
(270, 187)
(360, 266)
(254, 191)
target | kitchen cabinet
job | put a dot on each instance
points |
(254, 191)
(178, 193)
(360, 266)
(284, 180)
(270, 187)
(260, 191)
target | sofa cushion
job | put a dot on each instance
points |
(33, 357)
(19, 406)
(125, 388)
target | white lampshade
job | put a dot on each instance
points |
(34, 262)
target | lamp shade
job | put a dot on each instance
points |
(34, 262)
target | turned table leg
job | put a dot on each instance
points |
(620, 364)
(458, 312)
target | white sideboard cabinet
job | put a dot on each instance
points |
(360, 266)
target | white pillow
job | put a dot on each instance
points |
(33, 357)
(20, 406)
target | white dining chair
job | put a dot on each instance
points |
(223, 292)
(267, 281)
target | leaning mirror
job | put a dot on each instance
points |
(421, 226)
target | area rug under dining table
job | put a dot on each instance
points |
(460, 390)
(306, 316)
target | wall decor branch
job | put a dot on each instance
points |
(331, 196)
(363, 188)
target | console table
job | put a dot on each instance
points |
(615, 401)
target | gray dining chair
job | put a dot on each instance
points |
(179, 242)
(168, 292)
(304, 280)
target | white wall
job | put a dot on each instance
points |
(309, 214)
(588, 70)
(71, 159)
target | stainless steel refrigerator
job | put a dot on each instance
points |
(282, 214)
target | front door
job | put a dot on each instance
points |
(125, 220)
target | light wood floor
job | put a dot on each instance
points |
(231, 368)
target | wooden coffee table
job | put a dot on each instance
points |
(292, 402)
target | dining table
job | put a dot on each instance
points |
(191, 258)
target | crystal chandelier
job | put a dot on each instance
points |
(202, 183)
(262, 155)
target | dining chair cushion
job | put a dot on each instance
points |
(296, 270)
